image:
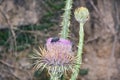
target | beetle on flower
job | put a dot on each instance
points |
(57, 57)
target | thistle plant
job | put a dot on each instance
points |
(57, 55)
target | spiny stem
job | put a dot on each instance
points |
(54, 78)
(66, 19)
(79, 54)
(81, 40)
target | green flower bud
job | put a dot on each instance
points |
(81, 14)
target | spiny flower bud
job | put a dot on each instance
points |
(81, 14)
(57, 56)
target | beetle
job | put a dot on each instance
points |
(55, 39)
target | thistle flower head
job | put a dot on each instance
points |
(63, 46)
(81, 14)
(57, 56)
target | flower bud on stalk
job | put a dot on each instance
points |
(81, 14)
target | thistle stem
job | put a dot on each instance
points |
(66, 19)
(54, 75)
(54, 78)
(79, 54)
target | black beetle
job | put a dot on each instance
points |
(55, 39)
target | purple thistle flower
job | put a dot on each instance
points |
(57, 56)
(63, 46)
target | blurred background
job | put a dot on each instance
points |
(25, 24)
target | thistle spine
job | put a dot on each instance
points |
(66, 19)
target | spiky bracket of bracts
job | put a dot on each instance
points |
(57, 57)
